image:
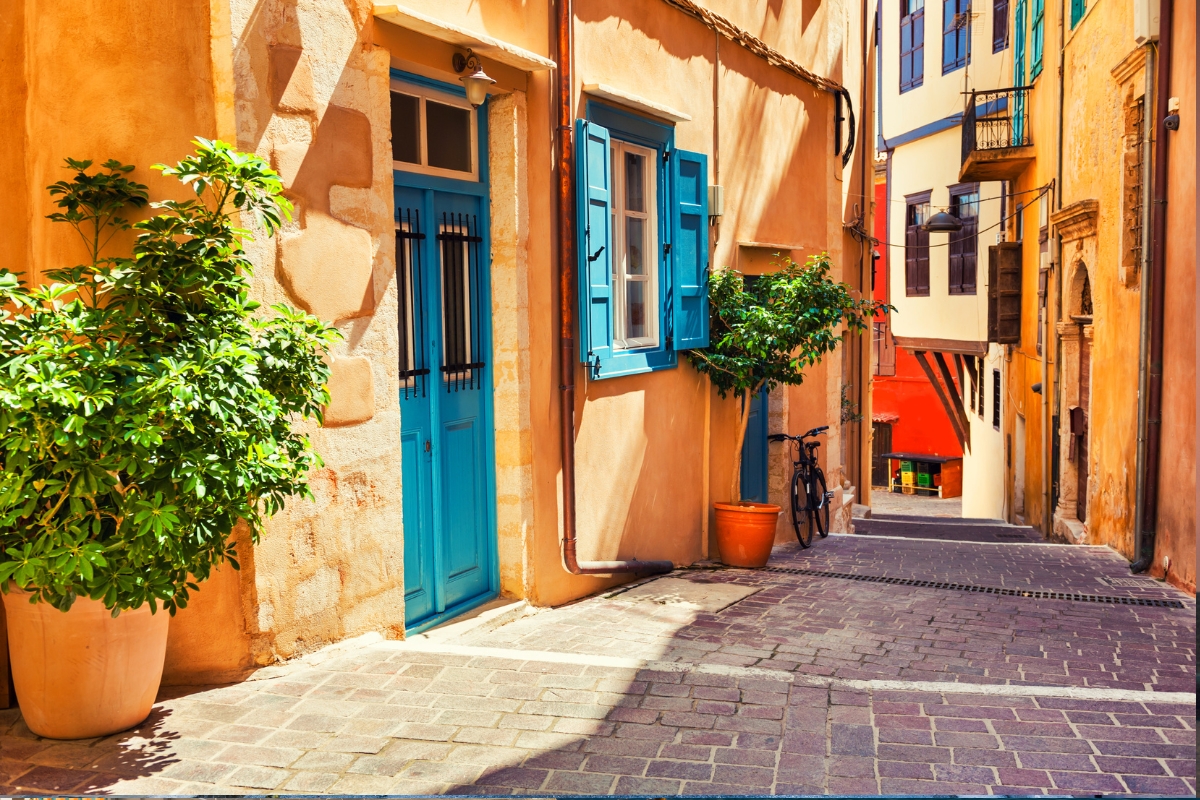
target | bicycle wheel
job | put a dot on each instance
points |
(801, 517)
(819, 502)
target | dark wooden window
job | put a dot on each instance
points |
(996, 399)
(1004, 293)
(999, 25)
(956, 34)
(912, 44)
(964, 245)
(916, 246)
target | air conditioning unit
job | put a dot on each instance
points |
(1145, 21)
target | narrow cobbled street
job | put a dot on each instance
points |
(868, 664)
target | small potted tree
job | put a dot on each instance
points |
(146, 408)
(766, 334)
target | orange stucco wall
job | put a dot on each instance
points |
(1177, 484)
(306, 86)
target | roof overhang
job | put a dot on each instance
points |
(481, 43)
(962, 347)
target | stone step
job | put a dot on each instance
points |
(918, 528)
(937, 520)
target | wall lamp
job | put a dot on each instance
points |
(477, 82)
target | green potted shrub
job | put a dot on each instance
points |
(147, 407)
(765, 334)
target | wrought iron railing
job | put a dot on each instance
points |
(995, 120)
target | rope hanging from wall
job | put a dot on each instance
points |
(755, 45)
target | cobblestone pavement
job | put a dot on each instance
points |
(813, 684)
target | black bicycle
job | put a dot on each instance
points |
(810, 498)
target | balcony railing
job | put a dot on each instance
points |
(996, 120)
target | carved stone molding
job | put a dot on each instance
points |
(1077, 221)
(1130, 65)
(1068, 330)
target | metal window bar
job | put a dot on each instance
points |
(411, 312)
(1135, 229)
(995, 120)
(462, 314)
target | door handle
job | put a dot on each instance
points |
(428, 446)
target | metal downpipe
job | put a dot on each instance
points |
(564, 14)
(1158, 269)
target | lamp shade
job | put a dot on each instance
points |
(477, 84)
(943, 222)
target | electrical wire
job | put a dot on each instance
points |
(980, 200)
(856, 230)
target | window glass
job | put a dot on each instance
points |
(956, 34)
(448, 136)
(406, 128)
(634, 266)
(912, 44)
(635, 168)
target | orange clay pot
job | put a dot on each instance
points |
(82, 673)
(745, 532)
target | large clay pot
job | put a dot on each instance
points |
(83, 673)
(745, 532)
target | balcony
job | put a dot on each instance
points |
(996, 141)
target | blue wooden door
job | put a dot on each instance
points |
(444, 337)
(754, 451)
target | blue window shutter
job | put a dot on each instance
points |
(594, 242)
(689, 249)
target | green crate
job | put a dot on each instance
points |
(924, 479)
(906, 466)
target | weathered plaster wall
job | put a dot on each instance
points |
(1177, 488)
(1093, 127)
(312, 96)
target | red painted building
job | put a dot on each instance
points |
(907, 416)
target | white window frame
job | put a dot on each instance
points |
(423, 95)
(618, 149)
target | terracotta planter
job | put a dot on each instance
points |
(745, 532)
(82, 673)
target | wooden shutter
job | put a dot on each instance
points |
(922, 262)
(910, 258)
(956, 261)
(993, 318)
(689, 249)
(1004, 293)
(970, 254)
(594, 241)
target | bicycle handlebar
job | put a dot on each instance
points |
(782, 437)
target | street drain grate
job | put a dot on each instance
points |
(1139, 583)
(964, 587)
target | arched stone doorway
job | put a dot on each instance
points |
(1077, 226)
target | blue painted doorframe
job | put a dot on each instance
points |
(443, 260)
(754, 451)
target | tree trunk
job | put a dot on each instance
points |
(735, 488)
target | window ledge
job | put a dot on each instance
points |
(637, 103)
(481, 43)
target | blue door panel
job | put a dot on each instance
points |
(418, 552)
(754, 451)
(450, 560)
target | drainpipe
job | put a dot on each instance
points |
(1139, 502)
(1158, 269)
(564, 14)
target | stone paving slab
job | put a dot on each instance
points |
(809, 686)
